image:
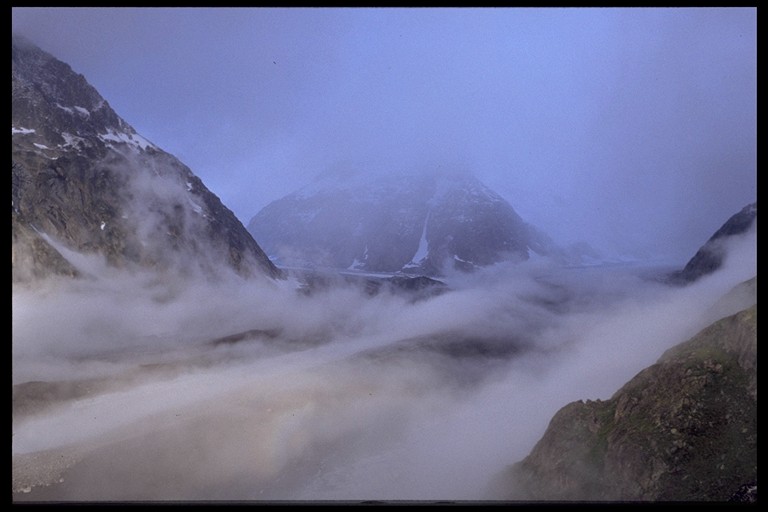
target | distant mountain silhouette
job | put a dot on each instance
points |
(421, 223)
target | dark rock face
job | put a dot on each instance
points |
(85, 183)
(710, 256)
(684, 429)
(417, 224)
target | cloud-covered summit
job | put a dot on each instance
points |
(418, 222)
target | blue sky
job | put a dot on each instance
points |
(631, 128)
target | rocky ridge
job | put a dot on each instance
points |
(683, 429)
(86, 187)
(711, 255)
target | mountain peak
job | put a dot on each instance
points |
(415, 222)
(85, 182)
(711, 255)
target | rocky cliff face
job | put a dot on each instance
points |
(420, 224)
(683, 429)
(85, 184)
(712, 254)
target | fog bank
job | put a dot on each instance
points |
(253, 391)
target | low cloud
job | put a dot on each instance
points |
(247, 390)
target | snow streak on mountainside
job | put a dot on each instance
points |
(86, 183)
(419, 223)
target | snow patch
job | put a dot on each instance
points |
(196, 207)
(40, 146)
(358, 264)
(22, 131)
(82, 111)
(423, 250)
(69, 139)
(102, 225)
(65, 109)
(351, 272)
(133, 139)
(114, 137)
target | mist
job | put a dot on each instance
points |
(587, 120)
(124, 393)
(631, 129)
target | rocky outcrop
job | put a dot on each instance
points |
(684, 429)
(86, 184)
(712, 254)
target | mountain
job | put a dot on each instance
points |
(85, 184)
(683, 429)
(711, 255)
(417, 223)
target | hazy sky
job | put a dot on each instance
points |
(632, 129)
